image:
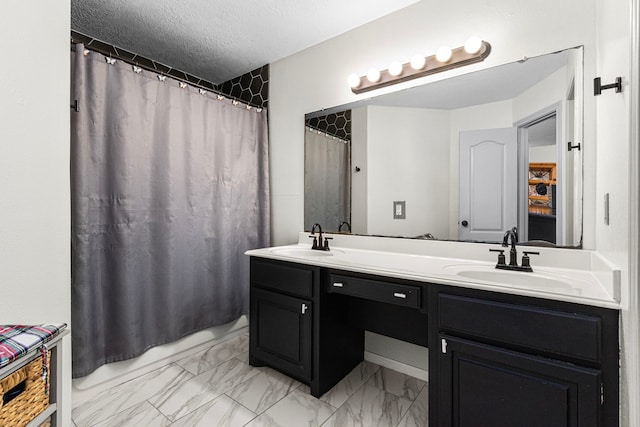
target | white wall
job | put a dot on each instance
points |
(408, 158)
(550, 90)
(359, 182)
(34, 168)
(612, 177)
(542, 154)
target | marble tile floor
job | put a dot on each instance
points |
(217, 387)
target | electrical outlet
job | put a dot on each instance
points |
(399, 211)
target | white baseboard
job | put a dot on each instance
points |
(412, 371)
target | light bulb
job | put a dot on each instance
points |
(473, 45)
(373, 75)
(418, 61)
(354, 81)
(395, 68)
(443, 54)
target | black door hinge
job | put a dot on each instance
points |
(571, 147)
(598, 87)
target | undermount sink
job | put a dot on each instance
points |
(303, 252)
(514, 278)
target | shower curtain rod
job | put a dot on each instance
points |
(150, 65)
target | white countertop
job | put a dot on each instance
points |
(569, 275)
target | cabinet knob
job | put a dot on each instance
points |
(464, 223)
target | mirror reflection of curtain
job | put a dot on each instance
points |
(327, 181)
(169, 188)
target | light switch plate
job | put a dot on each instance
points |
(399, 211)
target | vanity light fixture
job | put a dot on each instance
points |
(354, 81)
(473, 45)
(444, 54)
(474, 50)
(395, 68)
(373, 75)
(418, 61)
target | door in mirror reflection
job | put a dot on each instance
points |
(488, 183)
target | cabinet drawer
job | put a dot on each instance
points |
(289, 278)
(561, 333)
(404, 295)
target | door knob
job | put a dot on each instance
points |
(464, 223)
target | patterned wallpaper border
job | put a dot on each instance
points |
(336, 124)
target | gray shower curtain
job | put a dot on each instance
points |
(169, 188)
(327, 180)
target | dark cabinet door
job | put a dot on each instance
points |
(482, 385)
(280, 332)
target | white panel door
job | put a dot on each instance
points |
(488, 183)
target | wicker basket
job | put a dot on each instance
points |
(22, 395)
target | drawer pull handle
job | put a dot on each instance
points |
(304, 308)
(14, 392)
(443, 343)
(338, 285)
(399, 295)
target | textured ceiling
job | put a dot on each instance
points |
(221, 39)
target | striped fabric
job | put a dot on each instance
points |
(18, 340)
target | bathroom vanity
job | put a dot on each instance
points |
(542, 354)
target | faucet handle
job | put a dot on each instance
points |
(501, 258)
(326, 243)
(315, 242)
(525, 258)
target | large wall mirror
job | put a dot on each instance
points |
(463, 158)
